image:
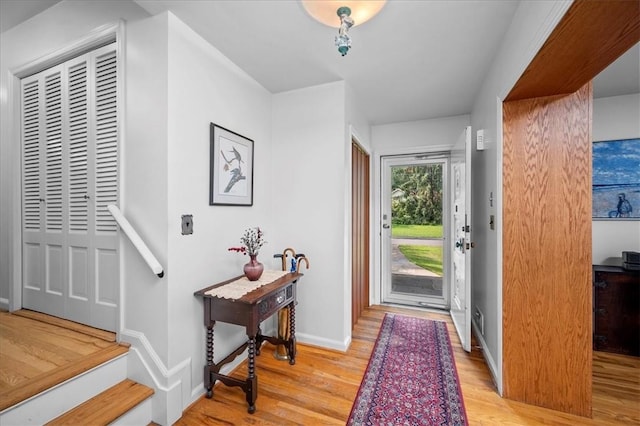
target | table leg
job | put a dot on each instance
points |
(292, 330)
(252, 380)
(207, 368)
(258, 342)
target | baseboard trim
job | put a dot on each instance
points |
(493, 369)
(171, 385)
(322, 342)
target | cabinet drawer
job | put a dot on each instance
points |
(616, 311)
(275, 302)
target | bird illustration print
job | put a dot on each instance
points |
(236, 172)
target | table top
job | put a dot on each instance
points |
(614, 268)
(255, 295)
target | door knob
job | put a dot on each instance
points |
(385, 226)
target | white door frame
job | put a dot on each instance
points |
(109, 33)
(442, 158)
(376, 230)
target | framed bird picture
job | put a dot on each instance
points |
(231, 168)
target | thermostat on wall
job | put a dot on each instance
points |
(480, 140)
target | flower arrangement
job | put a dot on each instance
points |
(253, 240)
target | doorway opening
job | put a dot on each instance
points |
(359, 231)
(414, 223)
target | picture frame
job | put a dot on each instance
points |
(231, 168)
(616, 180)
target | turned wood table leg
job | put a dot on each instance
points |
(207, 368)
(252, 379)
(259, 340)
(292, 331)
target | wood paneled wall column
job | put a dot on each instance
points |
(547, 251)
(359, 232)
(546, 237)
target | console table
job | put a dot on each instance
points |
(248, 310)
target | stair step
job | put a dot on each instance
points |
(52, 378)
(106, 407)
(107, 336)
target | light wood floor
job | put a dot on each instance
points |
(38, 351)
(321, 387)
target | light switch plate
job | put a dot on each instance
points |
(187, 224)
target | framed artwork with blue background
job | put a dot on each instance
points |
(616, 180)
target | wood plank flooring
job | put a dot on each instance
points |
(320, 388)
(38, 351)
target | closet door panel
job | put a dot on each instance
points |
(70, 175)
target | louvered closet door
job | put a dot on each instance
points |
(70, 175)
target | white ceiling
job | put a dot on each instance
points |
(414, 60)
(14, 12)
(417, 59)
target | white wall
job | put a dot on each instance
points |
(177, 84)
(144, 180)
(530, 27)
(308, 201)
(617, 117)
(204, 87)
(405, 137)
(47, 32)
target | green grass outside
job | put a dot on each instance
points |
(427, 257)
(416, 231)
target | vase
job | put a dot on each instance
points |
(253, 269)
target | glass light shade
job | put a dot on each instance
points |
(325, 11)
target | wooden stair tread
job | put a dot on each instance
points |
(51, 378)
(80, 328)
(106, 407)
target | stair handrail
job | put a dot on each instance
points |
(136, 240)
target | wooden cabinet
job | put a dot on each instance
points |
(616, 310)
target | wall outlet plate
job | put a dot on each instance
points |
(187, 224)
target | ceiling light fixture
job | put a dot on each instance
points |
(350, 13)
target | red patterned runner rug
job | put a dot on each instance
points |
(411, 378)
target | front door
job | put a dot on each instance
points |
(461, 236)
(414, 261)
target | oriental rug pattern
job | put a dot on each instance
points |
(411, 378)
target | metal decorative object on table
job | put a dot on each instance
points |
(284, 332)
